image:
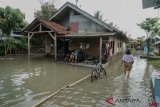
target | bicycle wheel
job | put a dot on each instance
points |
(94, 75)
(103, 71)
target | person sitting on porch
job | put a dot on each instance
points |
(72, 56)
(76, 54)
(67, 56)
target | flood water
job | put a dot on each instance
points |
(23, 82)
(114, 85)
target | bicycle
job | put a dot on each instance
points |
(96, 72)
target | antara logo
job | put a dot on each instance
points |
(113, 100)
(154, 103)
(110, 100)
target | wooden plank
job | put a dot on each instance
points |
(34, 27)
(40, 27)
(32, 34)
(41, 32)
(53, 37)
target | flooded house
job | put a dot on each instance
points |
(71, 28)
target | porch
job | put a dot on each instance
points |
(58, 41)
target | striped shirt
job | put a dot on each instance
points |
(128, 58)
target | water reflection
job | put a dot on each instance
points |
(23, 82)
(113, 85)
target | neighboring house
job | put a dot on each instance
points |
(157, 47)
(13, 34)
(157, 44)
(74, 29)
(133, 43)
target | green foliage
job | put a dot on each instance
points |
(10, 19)
(113, 25)
(22, 44)
(13, 44)
(141, 40)
(155, 63)
(152, 28)
(99, 15)
(150, 25)
(47, 10)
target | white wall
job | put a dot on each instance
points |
(117, 47)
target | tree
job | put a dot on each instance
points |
(141, 40)
(47, 10)
(10, 20)
(112, 25)
(99, 15)
(152, 28)
(150, 25)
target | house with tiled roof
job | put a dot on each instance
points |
(71, 28)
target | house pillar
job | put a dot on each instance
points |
(29, 44)
(47, 45)
(55, 46)
(100, 50)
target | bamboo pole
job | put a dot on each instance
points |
(48, 97)
(78, 81)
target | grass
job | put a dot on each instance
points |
(155, 63)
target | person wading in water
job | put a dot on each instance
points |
(127, 61)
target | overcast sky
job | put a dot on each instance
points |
(124, 13)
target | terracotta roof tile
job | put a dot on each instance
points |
(54, 26)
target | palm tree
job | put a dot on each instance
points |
(99, 16)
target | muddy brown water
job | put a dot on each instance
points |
(24, 82)
(136, 91)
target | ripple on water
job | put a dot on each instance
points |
(76, 93)
(18, 79)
